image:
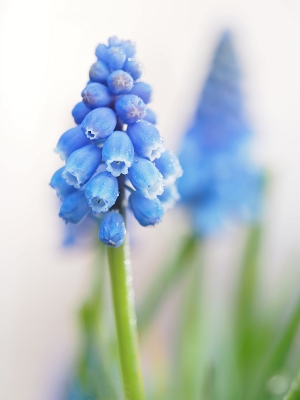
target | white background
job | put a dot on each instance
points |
(46, 49)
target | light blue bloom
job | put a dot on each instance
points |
(70, 141)
(118, 153)
(147, 212)
(146, 139)
(59, 184)
(112, 149)
(169, 166)
(101, 192)
(130, 108)
(112, 229)
(150, 116)
(116, 57)
(99, 123)
(96, 95)
(219, 183)
(169, 197)
(120, 82)
(74, 208)
(99, 72)
(146, 178)
(81, 165)
(134, 68)
(79, 112)
(143, 90)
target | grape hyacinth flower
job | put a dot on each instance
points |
(219, 183)
(111, 161)
(133, 156)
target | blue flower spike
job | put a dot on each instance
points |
(112, 229)
(115, 149)
(101, 192)
(118, 153)
(219, 183)
(81, 165)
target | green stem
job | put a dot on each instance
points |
(121, 283)
(166, 277)
(294, 393)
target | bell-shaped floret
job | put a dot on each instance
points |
(116, 57)
(101, 192)
(143, 90)
(79, 112)
(112, 229)
(120, 82)
(102, 52)
(70, 141)
(146, 139)
(81, 165)
(134, 68)
(150, 116)
(99, 123)
(147, 212)
(96, 95)
(169, 167)
(118, 153)
(128, 47)
(59, 184)
(74, 208)
(146, 178)
(114, 41)
(169, 197)
(130, 108)
(99, 72)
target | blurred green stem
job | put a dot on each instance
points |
(166, 277)
(294, 393)
(122, 293)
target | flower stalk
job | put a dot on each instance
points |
(125, 319)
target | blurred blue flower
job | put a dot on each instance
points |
(106, 159)
(219, 183)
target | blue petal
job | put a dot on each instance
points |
(79, 112)
(99, 123)
(143, 90)
(118, 153)
(169, 197)
(96, 95)
(150, 116)
(146, 178)
(114, 41)
(70, 141)
(102, 52)
(101, 192)
(59, 184)
(112, 229)
(130, 108)
(134, 68)
(128, 47)
(119, 82)
(116, 57)
(81, 165)
(99, 72)
(146, 139)
(147, 212)
(169, 167)
(74, 208)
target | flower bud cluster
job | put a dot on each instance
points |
(115, 146)
(219, 183)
